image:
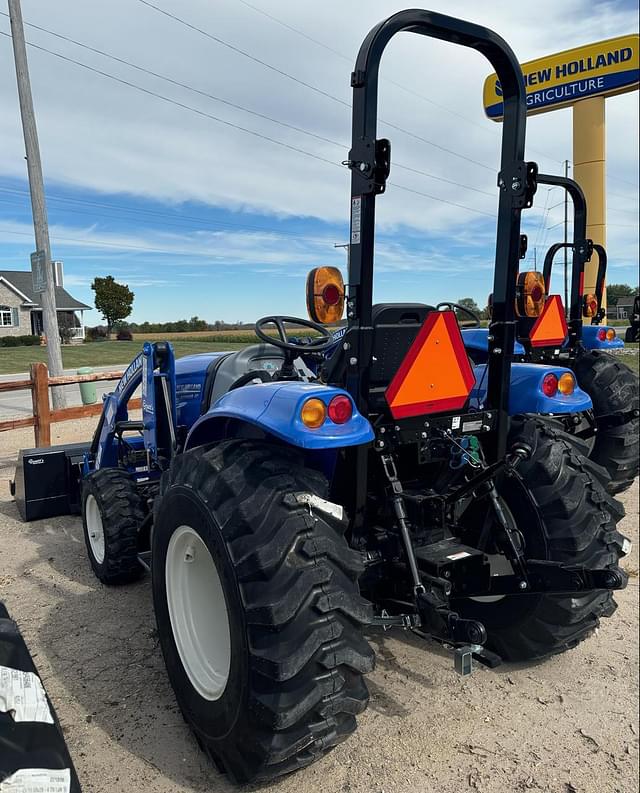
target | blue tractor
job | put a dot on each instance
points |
(295, 494)
(611, 426)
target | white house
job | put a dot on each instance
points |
(20, 311)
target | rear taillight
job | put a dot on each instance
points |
(550, 385)
(313, 413)
(601, 335)
(566, 384)
(340, 409)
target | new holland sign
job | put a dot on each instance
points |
(606, 68)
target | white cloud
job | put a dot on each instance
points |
(103, 136)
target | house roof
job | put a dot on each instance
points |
(22, 282)
(625, 302)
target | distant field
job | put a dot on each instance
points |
(120, 353)
(217, 336)
(104, 353)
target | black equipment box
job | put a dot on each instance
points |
(47, 481)
(449, 559)
(28, 744)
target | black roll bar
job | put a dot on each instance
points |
(582, 249)
(369, 163)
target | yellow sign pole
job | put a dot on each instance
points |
(589, 171)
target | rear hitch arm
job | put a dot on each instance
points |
(555, 578)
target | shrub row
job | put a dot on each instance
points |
(19, 341)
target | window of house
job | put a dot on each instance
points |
(7, 317)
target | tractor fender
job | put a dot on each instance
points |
(526, 394)
(591, 341)
(275, 409)
(477, 340)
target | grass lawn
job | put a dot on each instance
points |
(104, 353)
(631, 360)
(120, 353)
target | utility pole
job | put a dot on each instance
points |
(344, 245)
(566, 237)
(38, 205)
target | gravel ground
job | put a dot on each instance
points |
(569, 725)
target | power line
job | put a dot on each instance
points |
(178, 104)
(150, 214)
(624, 181)
(122, 246)
(441, 200)
(231, 124)
(236, 106)
(242, 52)
(186, 86)
(402, 87)
(326, 94)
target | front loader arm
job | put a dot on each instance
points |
(154, 370)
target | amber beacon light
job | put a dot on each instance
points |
(531, 294)
(325, 295)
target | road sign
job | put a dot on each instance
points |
(435, 374)
(550, 328)
(605, 68)
(38, 271)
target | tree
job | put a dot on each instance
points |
(113, 300)
(616, 291)
(470, 304)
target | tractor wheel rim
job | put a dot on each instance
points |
(95, 529)
(198, 613)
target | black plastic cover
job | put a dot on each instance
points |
(28, 744)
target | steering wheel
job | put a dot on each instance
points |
(456, 306)
(282, 340)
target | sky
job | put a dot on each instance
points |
(214, 184)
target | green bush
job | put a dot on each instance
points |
(124, 334)
(20, 341)
(99, 333)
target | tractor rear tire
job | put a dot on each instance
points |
(613, 387)
(268, 671)
(112, 513)
(559, 504)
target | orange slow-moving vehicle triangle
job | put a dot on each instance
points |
(435, 375)
(551, 327)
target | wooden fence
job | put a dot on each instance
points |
(43, 416)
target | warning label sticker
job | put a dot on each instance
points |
(37, 780)
(356, 218)
(22, 694)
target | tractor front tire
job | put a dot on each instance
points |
(559, 505)
(613, 388)
(258, 609)
(112, 513)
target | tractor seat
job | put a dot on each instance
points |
(396, 326)
(234, 369)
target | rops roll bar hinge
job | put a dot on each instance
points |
(375, 170)
(520, 178)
